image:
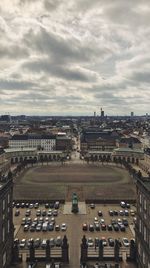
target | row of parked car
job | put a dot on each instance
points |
(38, 242)
(39, 212)
(107, 242)
(99, 224)
(124, 212)
(36, 205)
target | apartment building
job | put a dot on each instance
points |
(6, 223)
(143, 223)
(39, 141)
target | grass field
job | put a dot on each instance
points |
(88, 181)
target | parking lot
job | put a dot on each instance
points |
(98, 226)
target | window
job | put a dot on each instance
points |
(145, 204)
(144, 233)
(140, 226)
(4, 258)
(3, 204)
(144, 259)
(8, 226)
(3, 234)
(8, 198)
(140, 199)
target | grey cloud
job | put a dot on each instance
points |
(52, 5)
(12, 84)
(13, 51)
(56, 70)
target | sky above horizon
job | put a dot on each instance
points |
(61, 57)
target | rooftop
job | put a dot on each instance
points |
(10, 150)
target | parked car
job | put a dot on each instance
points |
(132, 212)
(30, 240)
(109, 227)
(22, 243)
(57, 227)
(38, 227)
(103, 227)
(111, 212)
(52, 242)
(125, 242)
(49, 213)
(116, 227)
(36, 205)
(126, 212)
(100, 214)
(58, 241)
(115, 212)
(46, 205)
(122, 228)
(111, 242)
(28, 213)
(55, 213)
(51, 227)
(121, 212)
(97, 227)
(90, 242)
(125, 222)
(38, 213)
(44, 213)
(44, 243)
(56, 205)
(26, 228)
(37, 242)
(23, 222)
(102, 221)
(17, 213)
(84, 227)
(91, 227)
(104, 241)
(122, 204)
(63, 227)
(92, 205)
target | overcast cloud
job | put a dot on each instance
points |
(72, 57)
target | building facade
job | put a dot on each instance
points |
(6, 223)
(38, 141)
(143, 223)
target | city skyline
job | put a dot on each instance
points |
(60, 58)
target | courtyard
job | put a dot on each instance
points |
(58, 182)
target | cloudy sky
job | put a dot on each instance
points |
(61, 57)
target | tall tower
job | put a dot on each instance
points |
(102, 113)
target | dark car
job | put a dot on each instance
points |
(109, 227)
(91, 227)
(111, 242)
(44, 213)
(122, 228)
(92, 206)
(84, 227)
(97, 227)
(127, 205)
(46, 205)
(113, 221)
(100, 214)
(17, 213)
(116, 227)
(51, 227)
(115, 212)
(111, 213)
(37, 242)
(57, 227)
(125, 222)
(103, 227)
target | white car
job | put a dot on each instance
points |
(22, 243)
(102, 221)
(125, 242)
(90, 242)
(63, 227)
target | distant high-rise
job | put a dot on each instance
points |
(102, 113)
(132, 114)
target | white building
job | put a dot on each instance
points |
(41, 142)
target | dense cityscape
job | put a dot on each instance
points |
(58, 206)
(74, 134)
